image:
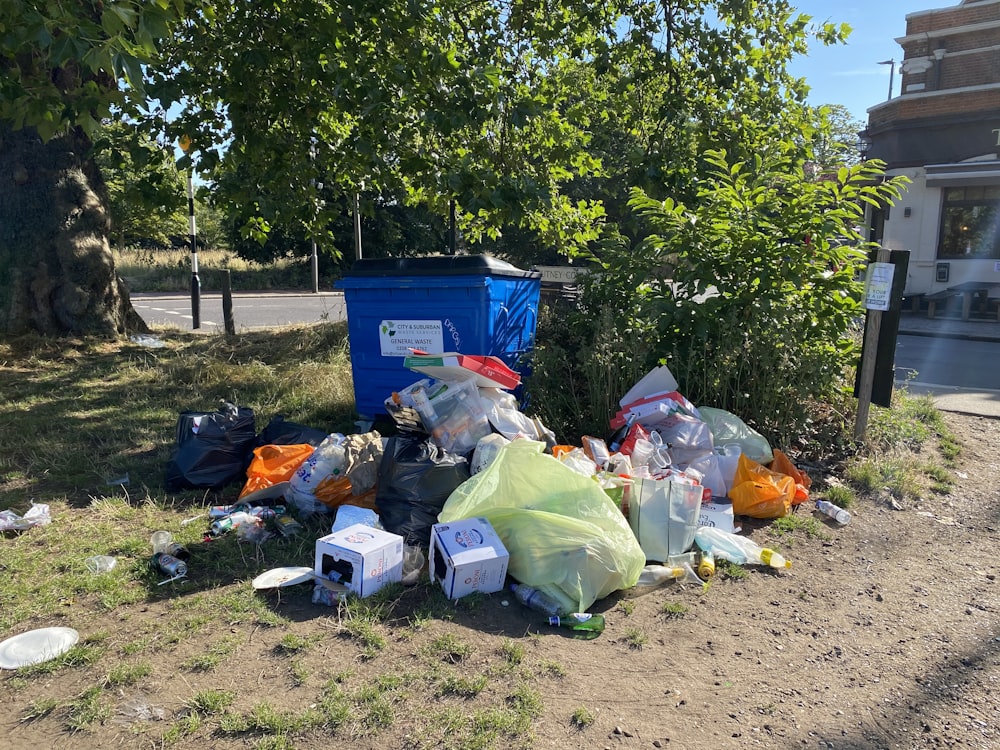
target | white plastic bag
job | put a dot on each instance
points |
(728, 428)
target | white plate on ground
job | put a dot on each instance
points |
(36, 646)
(280, 577)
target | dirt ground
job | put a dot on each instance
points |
(884, 634)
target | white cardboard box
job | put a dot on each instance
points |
(368, 558)
(717, 515)
(467, 556)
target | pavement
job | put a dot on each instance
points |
(979, 402)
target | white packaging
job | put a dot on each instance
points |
(717, 515)
(366, 558)
(467, 556)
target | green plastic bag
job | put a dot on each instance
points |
(562, 531)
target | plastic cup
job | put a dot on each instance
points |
(160, 540)
(100, 564)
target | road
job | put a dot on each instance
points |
(956, 369)
(249, 311)
(949, 362)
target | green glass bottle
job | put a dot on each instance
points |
(585, 624)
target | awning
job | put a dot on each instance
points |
(963, 174)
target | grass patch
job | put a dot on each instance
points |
(635, 638)
(582, 718)
(213, 656)
(210, 702)
(128, 674)
(784, 528)
(448, 648)
(840, 495)
(730, 570)
(674, 610)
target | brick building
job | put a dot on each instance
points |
(943, 132)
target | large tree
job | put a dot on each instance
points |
(65, 66)
(491, 105)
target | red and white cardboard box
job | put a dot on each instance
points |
(467, 556)
(487, 372)
(368, 558)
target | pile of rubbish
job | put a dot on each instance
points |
(472, 491)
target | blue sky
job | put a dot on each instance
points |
(850, 74)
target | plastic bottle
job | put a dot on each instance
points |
(581, 622)
(537, 600)
(839, 515)
(737, 549)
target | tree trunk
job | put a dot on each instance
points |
(57, 273)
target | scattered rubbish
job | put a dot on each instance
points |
(36, 515)
(583, 624)
(138, 709)
(98, 564)
(467, 556)
(738, 549)
(839, 515)
(36, 647)
(281, 577)
(360, 557)
(159, 540)
(147, 341)
(170, 565)
(475, 494)
(537, 600)
(115, 481)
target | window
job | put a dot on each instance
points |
(970, 222)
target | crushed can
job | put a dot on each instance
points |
(170, 565)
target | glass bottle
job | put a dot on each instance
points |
(582, 622)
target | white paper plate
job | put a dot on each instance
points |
(36, 646)
(279, 577)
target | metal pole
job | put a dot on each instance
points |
(192, 231)
(357, 226)
(869, 354)
(317, 186)
(227, 303)
(892, 75)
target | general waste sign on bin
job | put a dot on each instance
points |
(471, 304)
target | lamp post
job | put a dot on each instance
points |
(864, 144)
(892, 74)
(185, 144)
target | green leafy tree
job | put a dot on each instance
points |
(147, 196)
(748, 293)
(65, 67)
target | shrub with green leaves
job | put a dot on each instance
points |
(749, 294)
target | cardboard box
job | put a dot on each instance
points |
(718, 515)
(366, 559)
(467, 556)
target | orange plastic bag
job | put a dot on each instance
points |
(273, 464)
(759, 492)
(783, 465)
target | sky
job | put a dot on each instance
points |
(850, 74)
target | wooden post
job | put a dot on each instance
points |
(868, 357)
(227, 303)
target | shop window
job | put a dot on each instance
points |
(970, 223)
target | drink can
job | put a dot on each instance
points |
(220, 511)
(170, 565)
(287, 525)
(178, 550)
(221, 526)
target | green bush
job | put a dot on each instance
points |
(749, 296)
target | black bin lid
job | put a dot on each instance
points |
(439, 265)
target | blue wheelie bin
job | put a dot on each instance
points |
(470, 304)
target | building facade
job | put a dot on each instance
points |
(943, 133)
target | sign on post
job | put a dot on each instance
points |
(878, 286)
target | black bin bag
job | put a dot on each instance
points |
(415, 477)
(213, 448)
